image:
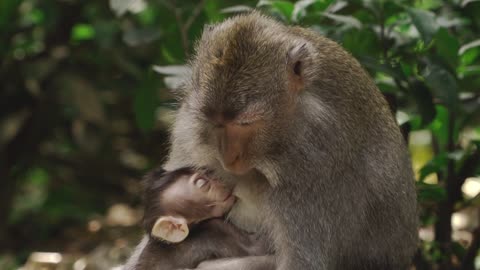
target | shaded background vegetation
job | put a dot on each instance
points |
(84, 113)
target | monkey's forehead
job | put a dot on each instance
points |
(238, 62)
(242, 37)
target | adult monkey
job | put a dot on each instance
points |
(295, 107)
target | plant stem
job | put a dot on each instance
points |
(443, 226)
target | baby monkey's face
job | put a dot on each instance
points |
(189, 199)
(198, 197)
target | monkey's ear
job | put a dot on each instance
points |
(296, 58)
(171, 229)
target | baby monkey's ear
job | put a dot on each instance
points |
(170, 229)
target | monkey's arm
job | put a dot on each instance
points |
(224, 240)
(132, 262)
(211, 239)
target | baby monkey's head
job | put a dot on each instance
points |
(174, 200)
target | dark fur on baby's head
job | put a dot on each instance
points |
(155, 183)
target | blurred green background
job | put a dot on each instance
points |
(85, 110)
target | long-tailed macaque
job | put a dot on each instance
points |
(296, 109)
(183, 218)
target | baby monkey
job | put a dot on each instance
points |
(178, 200)
(190, 203)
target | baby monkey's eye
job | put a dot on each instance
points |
(200, 182)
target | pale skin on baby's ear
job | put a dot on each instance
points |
(177, 200)
(170, 229)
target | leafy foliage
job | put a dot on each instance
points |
(83, 111)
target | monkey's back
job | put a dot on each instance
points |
(377, 164)
(371, 168)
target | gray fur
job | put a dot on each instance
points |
(340, 189)
(208, 240)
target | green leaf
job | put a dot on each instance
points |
(424, 101)
(428, 4)
(425, 23)
(443, 85)
(439, 125)
(212, 10)
(447, 47)
(83, 32)
(236, 9)
(177, 70)
(147, 16)
(174, 75)
(145, 105)
(468, 71)
(407, 69)
(469, 56)
(8, 10)
(466, 2)
(300, 9)
(284, 7)
(33, 193)
(458, 249)
(36, 16)
(71, 202)
(436, 165)
(347, 20)
(361, 43)
(9, 261)
(120, 7)
(430, 192)
(372, 63)
(468, 46)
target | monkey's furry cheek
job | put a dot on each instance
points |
(170, 229)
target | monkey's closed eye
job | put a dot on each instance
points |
(245, 123)
(249, 118)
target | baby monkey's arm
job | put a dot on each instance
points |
(211, 239)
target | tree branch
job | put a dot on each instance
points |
(382, 34)
(178, 19)
(185, 27)
(443, 226)
(194, 15)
